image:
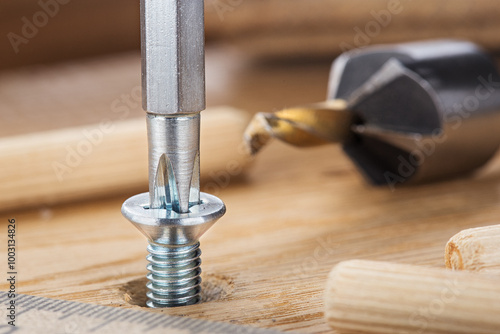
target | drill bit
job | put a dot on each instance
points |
(418, 112)
(306, 126)
(174, 214)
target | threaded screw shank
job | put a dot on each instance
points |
(174, 275)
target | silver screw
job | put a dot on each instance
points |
(174, 253)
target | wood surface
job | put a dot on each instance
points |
(382, 297)
(291, 217)
(295, 215)
(262, 28)
(476, 249)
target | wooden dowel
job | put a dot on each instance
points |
(380, 297)
(475, 249)
(101, 159)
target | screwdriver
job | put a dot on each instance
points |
(404, 113)
(174, 214)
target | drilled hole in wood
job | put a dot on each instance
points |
(213, 287)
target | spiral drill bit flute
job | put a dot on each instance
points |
(174, 214)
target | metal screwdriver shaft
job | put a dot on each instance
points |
(173, 91)
(174, 214)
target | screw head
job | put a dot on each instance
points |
(167, 227)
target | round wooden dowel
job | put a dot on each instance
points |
(475, 249)
(380, 297)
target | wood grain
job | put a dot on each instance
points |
(382, 297)
(74, 29)
(476, 249)
(295, 215)
(291, 217)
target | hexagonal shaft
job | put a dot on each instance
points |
(173, 56)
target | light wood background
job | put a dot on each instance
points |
(266, 29)
(291, 218)
(265, 264)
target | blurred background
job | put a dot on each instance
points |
(70, 76)
(266, 29)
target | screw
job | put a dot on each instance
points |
(174, 253)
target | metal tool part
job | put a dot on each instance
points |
(426, 111)
(174, 214)
(173, 56)
(419, 111)
(304, 126)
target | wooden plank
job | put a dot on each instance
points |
(263, 28)
(295, 215)
(290, 218)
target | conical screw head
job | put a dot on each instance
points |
(167, 227)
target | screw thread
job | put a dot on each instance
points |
(174, 275)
